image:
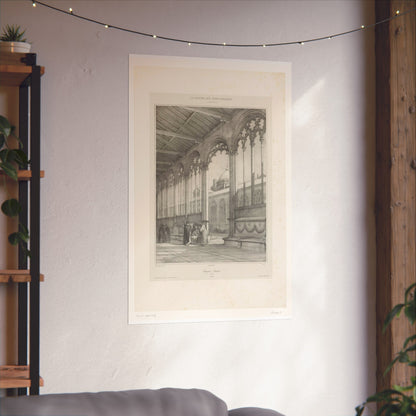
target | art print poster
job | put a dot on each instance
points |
(208, 189)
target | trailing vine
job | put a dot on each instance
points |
(12, 158)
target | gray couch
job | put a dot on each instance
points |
(163, 402)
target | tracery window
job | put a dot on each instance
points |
(171, 195)
(180, 192)
(218, 168)
(243, 172)
(250, 163)
(195, 186)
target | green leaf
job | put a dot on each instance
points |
(14, 239)
(411, 348)
(11, 207)
(5, 126)
(25, 250)
(390, 366)
(10, 156)
(18, 238)
(2, 140)
(403, 357)
(9, 170)
(14, 155)
(24, 232)
(408, 290)
(359, 410)
(402, 389)
(12, 33)
(390, 409)
(4, 155)
(392, 314)
(390, 395)
(20, 158)
(410, 311)
(408, 340)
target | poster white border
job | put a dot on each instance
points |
(251, 292)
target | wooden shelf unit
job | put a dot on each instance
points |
(21, 71)
(16, 376)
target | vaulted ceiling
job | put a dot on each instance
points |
(179, 129)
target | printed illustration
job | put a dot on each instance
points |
(210, 184)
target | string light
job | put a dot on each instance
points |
(190, 42)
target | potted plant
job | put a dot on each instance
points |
(398, 400)
(12, 40)
(10, 159)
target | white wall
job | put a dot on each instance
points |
(320, 362)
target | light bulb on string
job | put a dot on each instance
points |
(396, 14)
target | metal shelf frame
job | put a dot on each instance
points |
(21, 70)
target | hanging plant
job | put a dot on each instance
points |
(11, 159)
(399, 400)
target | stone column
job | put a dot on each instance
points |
(166, 199)
(233, 194)
(174, 199)
(157, 201)
(186, 183)
(204, 202)
(262, 170)
(252, 173)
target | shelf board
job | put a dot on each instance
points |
(12, 58)
(15, 376)
(12, 71)
(17, 276)
(25, 175)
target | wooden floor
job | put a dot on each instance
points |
(211, 253)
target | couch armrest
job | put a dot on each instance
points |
(253, 411)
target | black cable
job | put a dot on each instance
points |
(234, 45)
